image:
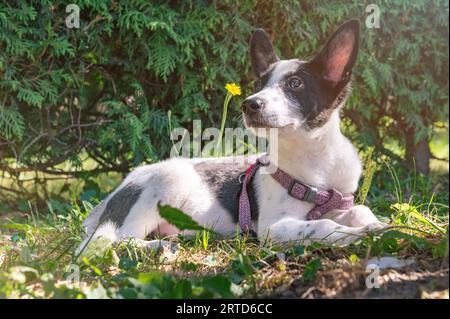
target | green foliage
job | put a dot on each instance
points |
(393, 184)
(179, 219)
(402, 78)
(104, 92)
(11, 123)
(311, 269)
(370, 168)
(37, 254)
(105, 89)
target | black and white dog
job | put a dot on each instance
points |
(300, 98)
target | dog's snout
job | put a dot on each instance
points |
(252, 105)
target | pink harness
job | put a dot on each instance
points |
(324, 200)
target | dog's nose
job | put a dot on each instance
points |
(252, 105)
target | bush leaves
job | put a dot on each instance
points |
(177, 218)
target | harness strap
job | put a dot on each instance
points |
(324, 200)
(245, 215)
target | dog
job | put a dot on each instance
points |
(301, 99)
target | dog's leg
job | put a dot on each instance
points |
(108, 234)
(151, 245)
(356, 216)
(322, 230)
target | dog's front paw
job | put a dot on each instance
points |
(162, 245)
(153, 246)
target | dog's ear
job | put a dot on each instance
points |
(337, 58)
(262, 53)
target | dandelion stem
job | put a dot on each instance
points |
(224, 117)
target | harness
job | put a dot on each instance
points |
(324, 200)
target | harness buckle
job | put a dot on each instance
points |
(310, 191)
(310, 195)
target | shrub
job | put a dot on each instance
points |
(104, 90)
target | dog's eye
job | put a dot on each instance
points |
(258, 85)
(295, 82)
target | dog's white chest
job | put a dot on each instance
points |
(275, 203)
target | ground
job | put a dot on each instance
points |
(37, 257)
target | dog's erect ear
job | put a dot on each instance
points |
(338, 56)
(262, 52)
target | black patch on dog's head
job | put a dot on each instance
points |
(335, 61)
(325, 80)
(262, 53)
(317, 99)
(327, 77)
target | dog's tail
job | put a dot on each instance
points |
(95, 228)
(90, 224)
(107, 231)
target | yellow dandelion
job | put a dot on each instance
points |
(233, 88)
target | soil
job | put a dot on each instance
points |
(351, 283)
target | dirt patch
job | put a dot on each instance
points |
(350, 282)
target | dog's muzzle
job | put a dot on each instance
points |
(252, 105)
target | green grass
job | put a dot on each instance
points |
(37, 252)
